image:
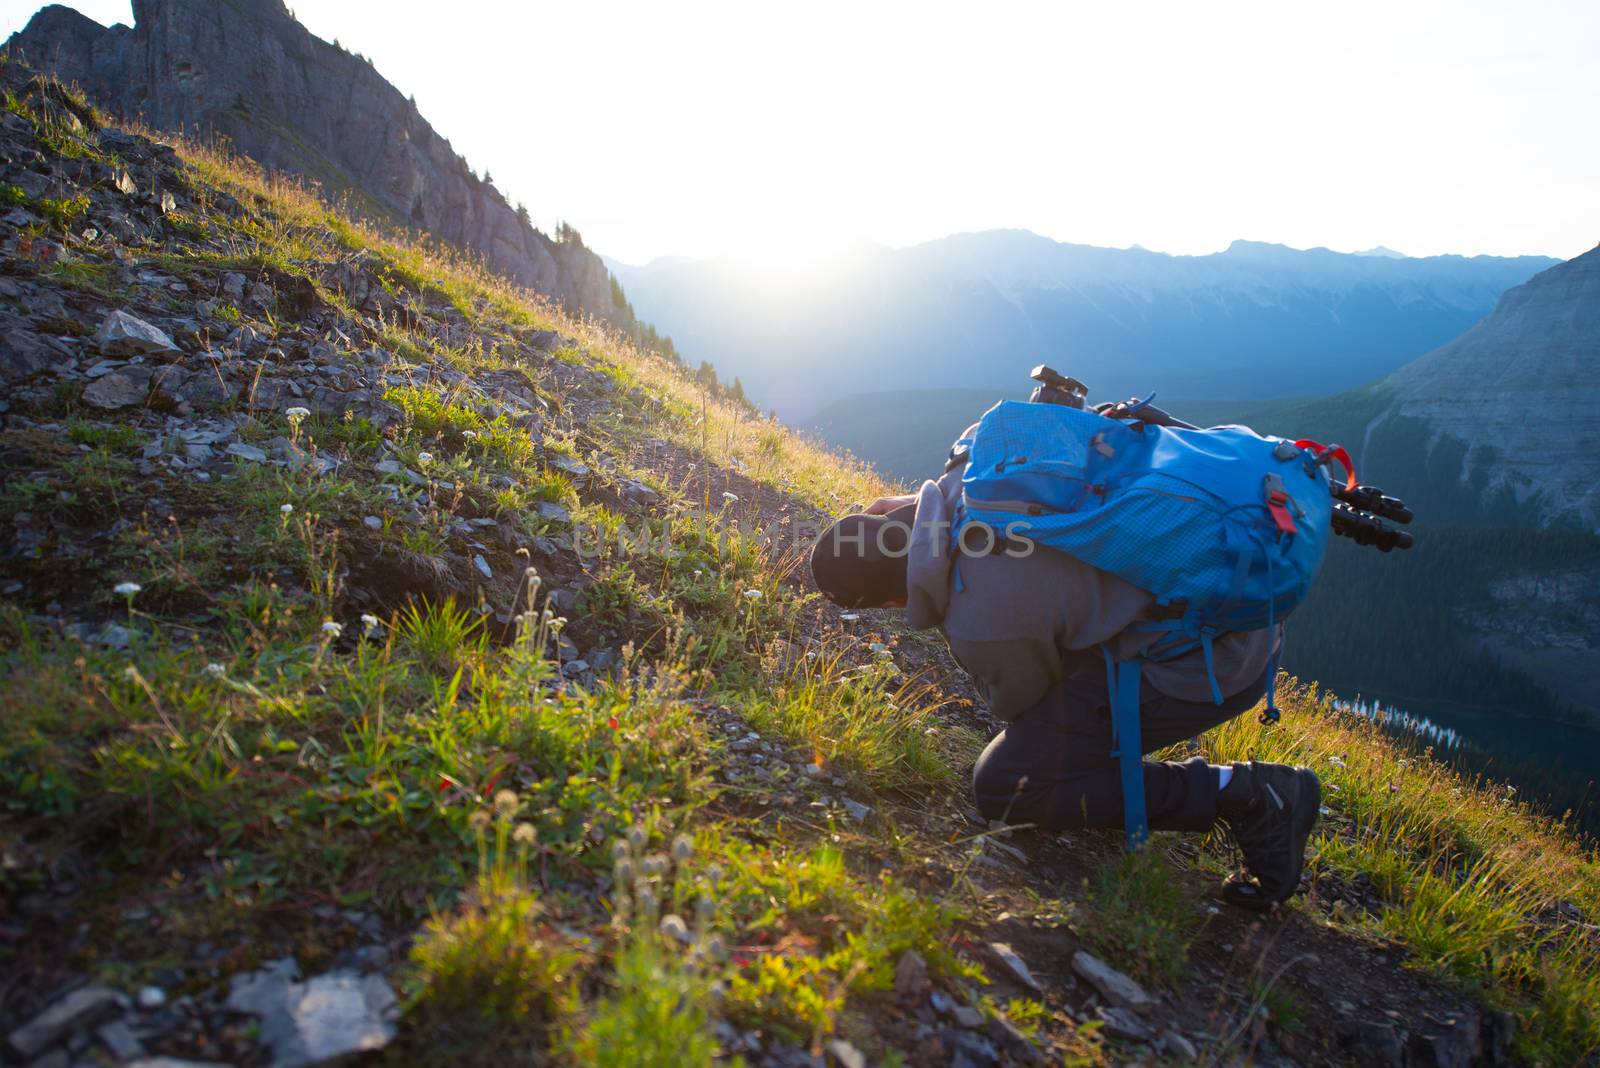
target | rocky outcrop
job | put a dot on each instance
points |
(247, 71)
(1521, 391)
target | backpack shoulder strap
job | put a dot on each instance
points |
(1122, 684)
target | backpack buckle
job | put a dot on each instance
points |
(1278, 501)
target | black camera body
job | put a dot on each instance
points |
(1057, 388)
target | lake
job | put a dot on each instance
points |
(1557, 762)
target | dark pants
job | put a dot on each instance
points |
(1062, 748)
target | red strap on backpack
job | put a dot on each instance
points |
(1337, 452)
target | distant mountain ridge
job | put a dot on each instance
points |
(246, 70)
(975, 310)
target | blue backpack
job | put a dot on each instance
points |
(1225, 527)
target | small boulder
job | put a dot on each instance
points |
(121, 388)
(910, 974)
(319, 1020)
(23, 354)
(1112, 984)
(82, 1008)
(1178, 1047)
(966, 1016)
(205, 389)
(636, 493)
(846, 1055)
(120, 1041)
(1015, 965)
(1122, 1023)
(569, 465)
(1019, 1046)
(122, 334)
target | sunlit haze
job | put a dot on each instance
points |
(775, 131)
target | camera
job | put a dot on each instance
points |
(1057, 388)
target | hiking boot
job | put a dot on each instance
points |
(1270, 810)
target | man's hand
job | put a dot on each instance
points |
(885, 505)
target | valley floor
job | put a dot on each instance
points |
(393, 665)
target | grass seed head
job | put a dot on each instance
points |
(673, 927)
(682, 848)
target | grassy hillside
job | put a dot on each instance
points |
(391, 621)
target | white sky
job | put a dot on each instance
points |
(768, 129)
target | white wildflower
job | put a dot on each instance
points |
(295, 415)
(332, 629)
(370, 622)
(754, 595)
(214, 670)
(470, 435)
(1337, 762)
(126, 589)
(729, 497)
(850, 617)
(424, 457)
(286, 509)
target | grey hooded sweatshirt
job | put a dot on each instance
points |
(1019, 623)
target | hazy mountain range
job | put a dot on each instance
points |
(976, 310)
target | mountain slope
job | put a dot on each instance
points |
(974, 310)
(1520, 393)
(246, 71)
(296, 748)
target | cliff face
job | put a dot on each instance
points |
(1521, 391)
(246, 70)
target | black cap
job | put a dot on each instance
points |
(860, 561)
